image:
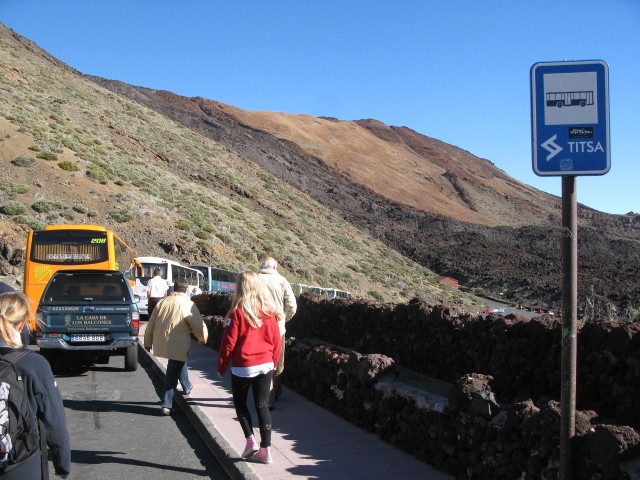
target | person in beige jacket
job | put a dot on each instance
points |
(285, 305)
(168, 332)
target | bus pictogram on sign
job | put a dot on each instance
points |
(569, 99)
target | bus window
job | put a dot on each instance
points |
(217, 279)
(170, 270)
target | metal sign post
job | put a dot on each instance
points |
(569, 359)
(570, 136)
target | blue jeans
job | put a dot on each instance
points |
(176, 371)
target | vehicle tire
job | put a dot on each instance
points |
(131, 358)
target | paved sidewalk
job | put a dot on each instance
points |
(307, 441)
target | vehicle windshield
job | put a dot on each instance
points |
(147, 271)
(86, 288)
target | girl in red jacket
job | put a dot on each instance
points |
(251, 343)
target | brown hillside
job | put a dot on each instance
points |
(514, 253)
(396, 163)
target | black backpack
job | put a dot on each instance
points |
(19, 436)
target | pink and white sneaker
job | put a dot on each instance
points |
(251, 447)
(263, 455)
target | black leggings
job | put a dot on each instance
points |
(260, 386)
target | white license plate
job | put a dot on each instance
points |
(88, 337)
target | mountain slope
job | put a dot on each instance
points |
(395, 162)
(357, 205)
(73, 152)
(478, 225)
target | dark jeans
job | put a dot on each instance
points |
(260, 387)
(151, 304)
(176, 371)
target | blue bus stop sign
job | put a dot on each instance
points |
(570, 118)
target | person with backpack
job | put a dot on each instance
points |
(31, 410)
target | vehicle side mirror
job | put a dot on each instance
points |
(136, 298)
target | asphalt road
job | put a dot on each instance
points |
(117, 431)
(507, 309)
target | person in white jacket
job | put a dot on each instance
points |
(285, 305)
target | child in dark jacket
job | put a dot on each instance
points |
(42, 391)
(251, 344)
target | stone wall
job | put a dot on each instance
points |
(348, 356)
(469, 434)
(522, 355)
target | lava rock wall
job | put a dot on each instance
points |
(501, 417)
(522, 355)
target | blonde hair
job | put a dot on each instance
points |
(251, 298)
(15, 311)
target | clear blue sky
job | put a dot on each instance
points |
(457, 71)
